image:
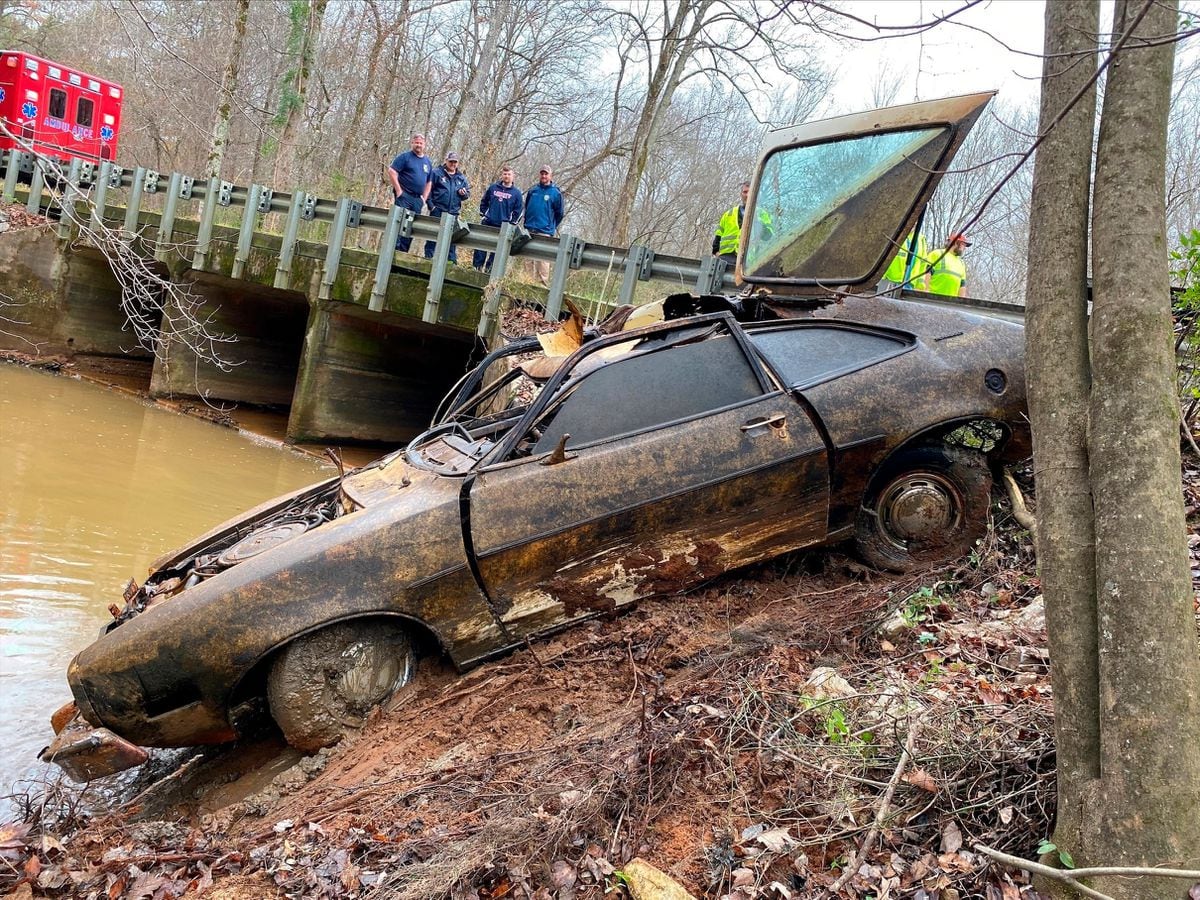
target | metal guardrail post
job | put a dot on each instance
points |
(166, 225)
(387, 255)
(487, 320)
(135, 202)
(569, 256)
(333, 256)
(11, 170)
(100, 201)
(639, 263)
(246, 233)
(66, 199)
(207, 215)
(287, 249)
(712, 273)
(34, 204)
(437, 275)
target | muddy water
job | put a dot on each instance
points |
(94, 486)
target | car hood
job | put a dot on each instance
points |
(832, 200)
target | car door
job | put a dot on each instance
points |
(680, 461)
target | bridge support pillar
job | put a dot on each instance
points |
(371, 376)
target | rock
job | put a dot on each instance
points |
(826, 684)
(895, 626)
(156, 833)
(645, 882)
(311, 766)
(1033, 616)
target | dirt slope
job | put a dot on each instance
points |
(740, 738)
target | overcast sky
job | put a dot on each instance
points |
(945, 60)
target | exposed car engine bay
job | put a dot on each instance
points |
(304, 513)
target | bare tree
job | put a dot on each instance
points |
(229, 79)
(1111, 529)
(305, 18)
(715, 39)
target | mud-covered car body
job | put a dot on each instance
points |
(649, 461)
(715, 446)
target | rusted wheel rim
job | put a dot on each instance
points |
(367, 672)
(920, 508)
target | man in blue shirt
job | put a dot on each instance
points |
(449, 190)
(411, 174)
(501, 202)
(543, 214)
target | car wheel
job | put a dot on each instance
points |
(926, 504)
(328, 681)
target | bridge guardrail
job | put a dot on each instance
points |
(567, 252)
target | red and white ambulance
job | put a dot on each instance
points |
(63, 112)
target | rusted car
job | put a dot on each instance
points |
(645, 462)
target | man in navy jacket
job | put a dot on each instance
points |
(543, 214)
(501, 202)
(449, 190)
(411, 174)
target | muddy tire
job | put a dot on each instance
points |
(929, 503)
(328, 681)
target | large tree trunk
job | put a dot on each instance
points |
(306, 16)
(229, 80)
(1059, 378)
(1149, 668)
(674, 55)
(466, 113)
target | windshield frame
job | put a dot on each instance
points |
(958, 114)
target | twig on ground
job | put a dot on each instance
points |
(1019, 510)
(1071, 875)
(1187, 433)
(885, 806)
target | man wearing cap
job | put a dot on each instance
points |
(411, 174)
(447, 192)
(543, 214)
(948, 274)
(501, 202)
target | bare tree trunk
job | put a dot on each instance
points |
(674, 55)
(306, 16)
(1059, 380)
(1149, 667)
(467, 110)
(229, 80)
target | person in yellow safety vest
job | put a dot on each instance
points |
(729, 228)
(917, 278)
(948, 274)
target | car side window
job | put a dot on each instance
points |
(805, 355)
(648, 390)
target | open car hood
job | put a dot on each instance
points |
(832, 200)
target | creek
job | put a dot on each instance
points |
(94, 486)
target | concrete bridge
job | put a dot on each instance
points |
(358, 342)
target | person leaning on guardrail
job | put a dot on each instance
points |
(543, 214)
(411, 174)
(448, 190)
(948, 274)
(500, 203)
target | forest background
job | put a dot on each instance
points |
(650, 113)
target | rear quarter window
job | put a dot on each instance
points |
(805, 355)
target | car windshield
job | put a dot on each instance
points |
(822, 209)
